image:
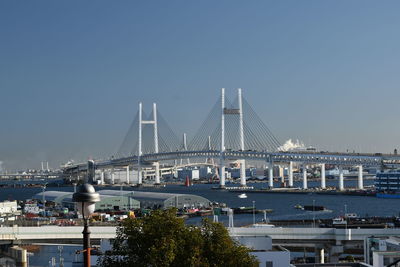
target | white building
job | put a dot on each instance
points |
(8, 208)
(382, 251)
(267, 255)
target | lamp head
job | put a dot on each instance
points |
(86, 198)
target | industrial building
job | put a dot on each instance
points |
(107, 202)
(128, 200)
(151, 200)
(8, 208)
(195, 173)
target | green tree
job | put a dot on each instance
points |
(162, 239)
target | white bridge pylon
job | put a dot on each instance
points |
(140, 152)
(232, 112)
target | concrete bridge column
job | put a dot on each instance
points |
(305, 186)
(127, 174)
(157, 172)
(271, 175)
(242, 172)
(319, 254)
(112, 177)
(222, 173)
(102, 177)
(341, 181)
(290, 174)
(360, 177)
(322, 255)
(323, 178)
(140, 175)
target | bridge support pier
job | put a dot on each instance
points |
(282, 177)
(290, 174)
(305, 186)
(140, 175)
(271, 175)
(323, 178)
(322, 255)
(222, 173)
(102, 177)
(341, 180)
(157, 172)
(242, 172)
(360, 177)
(319, 254)
(112, 177)
(127, 174)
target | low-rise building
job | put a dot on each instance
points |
(129, 200)
(152, 200)
(267, 255)
(8, 208)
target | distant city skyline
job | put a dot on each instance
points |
(72, 73)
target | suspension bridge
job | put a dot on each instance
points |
(232, 131)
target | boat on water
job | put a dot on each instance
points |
(250, 210)
(314, 208)
(310, 208)
(242, 195)
(339, 221)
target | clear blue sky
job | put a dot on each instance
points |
(72, 72)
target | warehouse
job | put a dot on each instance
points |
(127, 200)
(107, 202)
(154, 200)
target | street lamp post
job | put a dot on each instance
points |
(254, 212)
(44, 199)
(86, 198)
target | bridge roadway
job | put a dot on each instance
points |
(316, 234)
(277, 234)
(342, 159)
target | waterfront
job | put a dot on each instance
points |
(281, 204)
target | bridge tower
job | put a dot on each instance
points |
(140, 152)
(241, 135)
(222, 158)
(232, 111)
